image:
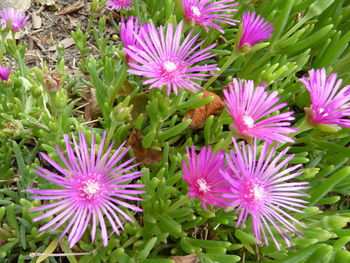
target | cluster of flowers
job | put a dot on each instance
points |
(161, 58)
(254, 181)
(159, 54)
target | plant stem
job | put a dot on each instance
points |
(120, 81)
(178, 204)
(235, 54)
(110, 135)
(32, 255)
(303, 126)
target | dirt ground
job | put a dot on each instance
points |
(51, 23)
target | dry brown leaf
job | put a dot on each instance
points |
(49, 2)
(72, 8)
(36, 20)
(139, 104)
(192, 258)
(146, 156)
(201, 114)
(92, 110)
(66, 43)
(31, 56)
(47, 39)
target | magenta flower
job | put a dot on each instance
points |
(89, 188)
(207, 14)
(167, 62)
(202, 173)
(120, 4)
(255, 29)
(250, 108)
(5, 73)
(17, 17)
(330, 102)
(128, 31)
(261, 187)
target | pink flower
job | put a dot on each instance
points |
(120, 4)
(17, 17)
(207, 14)
(167, 62)
(5, 72)
(202, 173)
(88, 188)
(255, 29)
(128, 31)
(330, 102)
(262, 188)
(250, 108)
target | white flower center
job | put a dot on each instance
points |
(258, 192)
(322, 110)
(195, 11)
(169, 66)
(203, 186)
(248, 121)
(90, 189)
(252, 192)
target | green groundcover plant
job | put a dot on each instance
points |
(219, 131)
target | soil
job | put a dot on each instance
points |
(52, 22)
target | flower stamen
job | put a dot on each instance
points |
(203, 186)
(195, 11)
(248, 121)
(169, 66)
(90, 189)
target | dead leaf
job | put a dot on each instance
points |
(66, 43)
(36, 20)
(92, 110)
(72, 8)
(146, 156)
(31, 56)
(47, 39)
(192, 258)
(139, 104)
(2, 242)
(49, 2)
(201, 114)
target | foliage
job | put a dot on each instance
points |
(39, 105)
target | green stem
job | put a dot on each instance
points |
(294, 28)
(235, 54)
(303, 126)
(256, 64)
(2, 45)
(110, 135)
(120, 81)
(178, 204)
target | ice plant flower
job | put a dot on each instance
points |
(262, 189)
(207, 14)
(254, 29)
(120, 4)
(250, 108)
(128, 30)
(167, 62)
(18, 18)
(202, 173)
(4, 73)
(89, 188)
(329, 102)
